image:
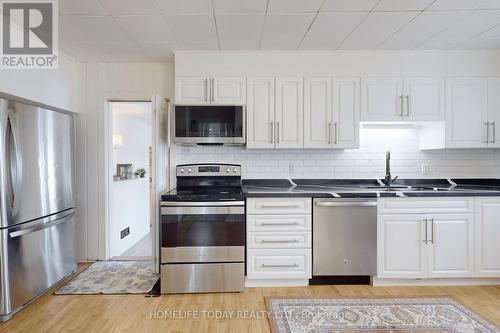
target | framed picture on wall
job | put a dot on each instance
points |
(123, 170)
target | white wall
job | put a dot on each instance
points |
(54, 87)
(130, 198)
(107, 81)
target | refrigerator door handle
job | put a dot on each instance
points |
(14, 162)
(41, 226)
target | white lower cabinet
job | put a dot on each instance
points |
(487, 237)
(279, 249)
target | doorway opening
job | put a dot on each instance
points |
(130, 168)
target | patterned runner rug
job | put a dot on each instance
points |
(316, 315)
(112, 277)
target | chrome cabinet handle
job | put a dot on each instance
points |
(277, 223)
(401, 106)
(346, 204)
(212, 86)
(329, 133)
(336, 133)
(280, 206)
(272, 131)
(407, 105)
(277, 132)
(425, 231)
(292, 265)
(206, 90)
(494, 132)
(487, 124)
(280, 241)
(432, 232)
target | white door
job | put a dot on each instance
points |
(450, 245)
(192, 90)
(424, 99)
(318, 112)
(289, 117)
(260, 112)
(494, 111)
(228, 90)
(466, 112)
(382, 99)
(400, 246)
(345, 113)
(487, 234)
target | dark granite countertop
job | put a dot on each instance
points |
(370, 188)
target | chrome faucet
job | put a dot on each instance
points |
(388, 178)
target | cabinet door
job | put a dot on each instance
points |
(346, 113)
(317, 112)
(424, 99)
(494, 111)
(487, 232)
(260, 112)
(228, 90)
(450, 245)
(289, 127)
(192, 90)
(381, 99)
(401, 250)
(466, 112)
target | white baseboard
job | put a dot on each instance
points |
(255, 283)
(377, 282)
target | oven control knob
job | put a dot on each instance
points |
(190, 170)
(182, 170)
(228, 170)
(235, 170)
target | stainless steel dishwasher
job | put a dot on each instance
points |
(345, 237)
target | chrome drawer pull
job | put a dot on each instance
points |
(280, 241)
(277, 223)
(270, 266)
(280, 206)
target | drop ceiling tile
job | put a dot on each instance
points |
(146, 29)
(348, 5)
(480, 44)
(492, 4)
(131, 7)
(330, 29)
(78, 7)
(398, 5)
(102, 51)
(158, 51)
(194, 31)
(377, 27)
(91, 29)
(294, 6)
(285, 31)
(463, 30)
(175, 7)
(238, 31)
(423, 27)
(240, 6)
(456, 4)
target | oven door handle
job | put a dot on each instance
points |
(198, 204)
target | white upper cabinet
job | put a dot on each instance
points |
(423, 99)
(487, 229)
(260, 112)
(382, 99)
(318, 112)
(467, 113)
(289, 115)
(493, 111)
(204, 90)
(345, 113)
(192, 90)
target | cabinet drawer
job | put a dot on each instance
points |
(425, 205)
(279, 206)
(279, 264)
(278, 222)
(272, 240)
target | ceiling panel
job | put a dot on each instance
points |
(330, 29)
(285, 31)
(91, 29)
(456, 4)
(470, 26)
(131, 7)
(174, 7)
(103, 51)
(423, 27)
(79, 7)
(487, 40)
(399, 5)
(240, 6)
(376, 28)
(348, 5)
(194, 31)
(146, 29)
(294, 6)
(240, 31)
(492, 4)
(158, 51)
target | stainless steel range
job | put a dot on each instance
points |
(203, 230)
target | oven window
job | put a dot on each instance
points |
(209, 121)
(203, 230)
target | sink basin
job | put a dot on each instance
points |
(407, 188)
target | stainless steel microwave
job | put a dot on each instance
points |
(209, 124)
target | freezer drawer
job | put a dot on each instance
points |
(35, 256)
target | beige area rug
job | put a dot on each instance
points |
(112, 277)
(316, 315)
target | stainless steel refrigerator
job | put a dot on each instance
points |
(36, 202)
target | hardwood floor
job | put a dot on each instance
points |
(132, 313)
